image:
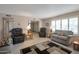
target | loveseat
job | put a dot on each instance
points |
(62, 36)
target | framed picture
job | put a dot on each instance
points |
(47, 24)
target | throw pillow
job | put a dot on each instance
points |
(61, 33)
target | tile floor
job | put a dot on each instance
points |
(15, 49)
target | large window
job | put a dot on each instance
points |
(58, 24)
(53, 25)
(64, 24)
(73, 25)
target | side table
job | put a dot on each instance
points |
(76, 45)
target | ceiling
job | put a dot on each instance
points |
(38, 10)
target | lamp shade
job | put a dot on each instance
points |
(28, 27)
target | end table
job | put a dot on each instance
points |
(76, 45)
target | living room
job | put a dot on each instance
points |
(47, 30)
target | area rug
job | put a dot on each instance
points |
(45, 48)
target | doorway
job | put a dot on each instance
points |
(35, 26)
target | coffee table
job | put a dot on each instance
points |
(41, 47)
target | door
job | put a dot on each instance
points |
(35, 26)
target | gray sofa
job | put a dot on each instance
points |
(64, 38)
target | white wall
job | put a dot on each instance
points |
(17, 21)
(46, 24)
(21, 22)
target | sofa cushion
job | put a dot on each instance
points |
(62, 33)
(63, 37)
(65, 32)
(60, 37)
